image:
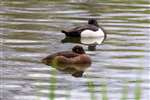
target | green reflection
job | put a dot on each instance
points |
(104, 91)
(53, 82)
(138, 91)
(25, 15)
(26, 26)
(125, 92)
(124, 1)
(129, 57)
(91, 89)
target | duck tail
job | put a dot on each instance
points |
(63, 31)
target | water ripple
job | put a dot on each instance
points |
(30, 30)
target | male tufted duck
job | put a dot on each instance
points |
(92, 29)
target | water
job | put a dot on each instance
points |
(30, 30)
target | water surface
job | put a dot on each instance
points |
(30, 30)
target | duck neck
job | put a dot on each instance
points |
(93, 23)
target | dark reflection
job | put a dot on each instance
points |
(90, 42)
(92, 47)
(71, 40)
(75, 70)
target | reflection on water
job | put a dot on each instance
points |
(71, 40)
(30, 30)
(75, 70)
(89, 41)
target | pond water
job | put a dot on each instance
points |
(31, 29)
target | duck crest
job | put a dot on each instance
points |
(93, 22)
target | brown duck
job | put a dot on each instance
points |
(76, 56)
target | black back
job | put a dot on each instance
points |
(75, 32)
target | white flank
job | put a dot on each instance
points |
(92, 40)
(90, 33)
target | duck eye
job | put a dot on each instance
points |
(77, 50)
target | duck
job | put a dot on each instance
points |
(92, 29)
(76, 56)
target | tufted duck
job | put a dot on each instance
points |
(76, 56)
(92, 29)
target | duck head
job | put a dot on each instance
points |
(78, 49)
(93, 22)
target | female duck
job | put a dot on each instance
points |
(92, 29)
(76, 56)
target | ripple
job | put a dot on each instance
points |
(31, 30)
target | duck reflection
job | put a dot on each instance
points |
(90, 42)
(75, 70)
